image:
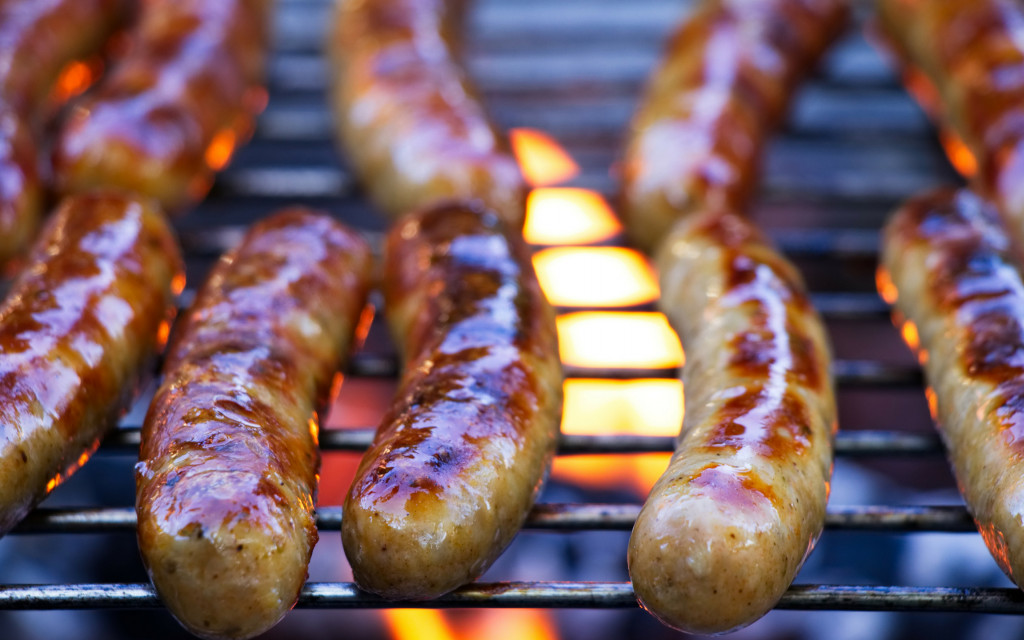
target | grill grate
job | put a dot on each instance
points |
(854, 147)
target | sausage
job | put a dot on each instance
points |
(38, 38)
(407, 116)
(77, 331)
(173, 109)
(723, 84)
(960, 57)
(947, 270)
(725, 529)
(460, 456)
(228, 466)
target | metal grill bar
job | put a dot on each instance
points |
(547, 517)
(848, 443)
(567, 595)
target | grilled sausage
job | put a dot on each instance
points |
(959, 58)
(724, 83)
(728, 525)
(407, 116)
(38, 38)
(459, 458)
(229, 458)
(172, 111)
(946, 269)
(80, 324)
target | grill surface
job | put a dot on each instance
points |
(855, 146)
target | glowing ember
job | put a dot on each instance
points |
(595, 277)
(568, 216)
(959, 155)
(639, 340)
(541, 159)
(218, 154)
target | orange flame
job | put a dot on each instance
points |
(911, 335)
(886, 287)
(595, 277)
(606, 407)
(421, 624)
(632, 340)
(75, 78)
(221, 148)
(959, 155)
(924, 91)
(933, 403)
(568, 216)
(542, 160)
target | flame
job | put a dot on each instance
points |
(418, 624)
(595, 277)
(218, 154)
(568, 216)
(75, 78)
(631, 340)
(608, 407)
(524, 624)
(162, 333)
(924, 91)
(178, 284)
(542, 160)
(314, 427)
(911, 335)
(959, 155)
(933, 403)
(886, 287)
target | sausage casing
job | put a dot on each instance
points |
(946, 268)
(229, 458)
(38, 38)
(173, 109)
(407, 116)
(723, 84)
(728, 525)
(959, 58)
(459, 458)
(78, 328)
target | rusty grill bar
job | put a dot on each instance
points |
(512, 41)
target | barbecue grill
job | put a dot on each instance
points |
(855, 146)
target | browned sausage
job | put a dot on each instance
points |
(966, 54)
(38, 38)
(172, 110)
(408, 117)
(79, 326)
(960, 298)
(229, 459)
(460, 456)
(728, 525)
(724, 82)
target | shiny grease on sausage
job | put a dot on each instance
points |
(961, 59)
(407, 115)
(728, 525)
(460, 456)
(171, 111)
(725, 80)
(947, 270)
(229, 460)
(38, 39)
(77, 331)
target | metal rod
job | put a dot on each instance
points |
(544, 517)
(848, 443)
(568, 595)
